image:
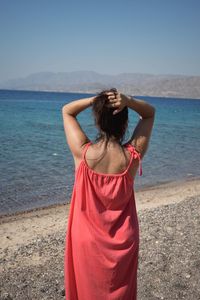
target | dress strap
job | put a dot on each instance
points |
(135, 155)
(85, 149)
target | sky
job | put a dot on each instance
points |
(106, 36)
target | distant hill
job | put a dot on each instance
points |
(179, 86)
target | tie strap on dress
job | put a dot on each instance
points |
(136, 155)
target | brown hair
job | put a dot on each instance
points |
(110, 125)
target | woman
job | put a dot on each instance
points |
(102, 240)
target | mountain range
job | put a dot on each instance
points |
(178, 86)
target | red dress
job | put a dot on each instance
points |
(102, 239)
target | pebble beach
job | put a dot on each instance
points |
(32, 247)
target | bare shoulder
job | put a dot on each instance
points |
(79, 158)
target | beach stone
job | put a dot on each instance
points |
(62, 292)
(43, 289)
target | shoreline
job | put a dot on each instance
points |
(93, 92)
(150, 187)
(21, 228)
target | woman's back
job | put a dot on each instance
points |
(111, 160)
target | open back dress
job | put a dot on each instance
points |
(102, 238)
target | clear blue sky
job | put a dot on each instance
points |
(106, 36)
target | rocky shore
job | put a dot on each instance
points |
(32, 247)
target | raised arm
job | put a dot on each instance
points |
(75, 135)
(142, 132)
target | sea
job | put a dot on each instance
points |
(37, 167)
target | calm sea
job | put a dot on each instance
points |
(37, 168)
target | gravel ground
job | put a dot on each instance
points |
(169, 259)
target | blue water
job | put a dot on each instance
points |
(37, 168)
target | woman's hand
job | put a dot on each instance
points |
(116, 100)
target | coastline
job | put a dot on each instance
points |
(33, 243)
(93, 92)
(22, 227)
(138, 191)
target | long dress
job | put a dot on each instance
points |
(102, 238)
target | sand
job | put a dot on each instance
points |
(32, 246)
